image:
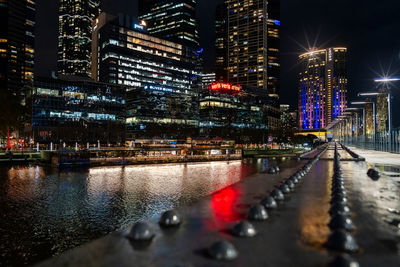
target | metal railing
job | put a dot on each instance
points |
(380, 142)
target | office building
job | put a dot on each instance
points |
(173, 20)
(289, 122)
(247, 49)
(273, 50)
(221, 39)
(17, 46)
(71, 109)
(76, 18)
(233, 112)
(251, 53)
(322, 87)
(161, 100)
(207, 79)
(247, 43)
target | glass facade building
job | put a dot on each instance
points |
(207, 79)
(322, 87)
(273, 49)
(174, 20)
(247, 44)
(75, 21)
(17, 45)
(233, 112)
(161, 75)
(221, 52)
(248, 48)
(78, 110)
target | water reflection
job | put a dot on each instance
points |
(314, 216)
(45, 212)
(223, 203)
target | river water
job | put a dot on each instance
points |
(45, 212)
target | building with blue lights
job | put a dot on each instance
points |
(322, 87)
(71, 109)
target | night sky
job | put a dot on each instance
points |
(370, 30)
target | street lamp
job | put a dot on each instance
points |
(386, 81)
(364, 120)
(373, 112)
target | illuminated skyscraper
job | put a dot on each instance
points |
(75, 22)
(322, 87)
(221, 53)
(247, 42)
(173, 20)
(161, 100)
(273, 47)
(253, 57)
(251, 32)
(17, 42)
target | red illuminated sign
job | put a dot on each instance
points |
(225, 86)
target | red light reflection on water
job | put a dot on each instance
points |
(223, 207)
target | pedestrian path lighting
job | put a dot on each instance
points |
(373, 111)
(385, 82)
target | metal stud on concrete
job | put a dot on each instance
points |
(342, 241)
(141, 231)
(284, 188)
(170, 219)
(223, 250)
(289, 183)
(343, 261)
(258, 213)
(339, 192)
(294, 180)
(277, 194)
(341, 222)
(338, 186)
(339, 208)
(244, 229)
(269, 203)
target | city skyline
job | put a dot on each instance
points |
(164, 132)
(380, 44)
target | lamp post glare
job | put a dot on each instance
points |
(387, 79)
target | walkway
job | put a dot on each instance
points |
(294, 235)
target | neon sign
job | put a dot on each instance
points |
(225, 86)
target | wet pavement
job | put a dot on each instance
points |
(377, 206)
(293, 235)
